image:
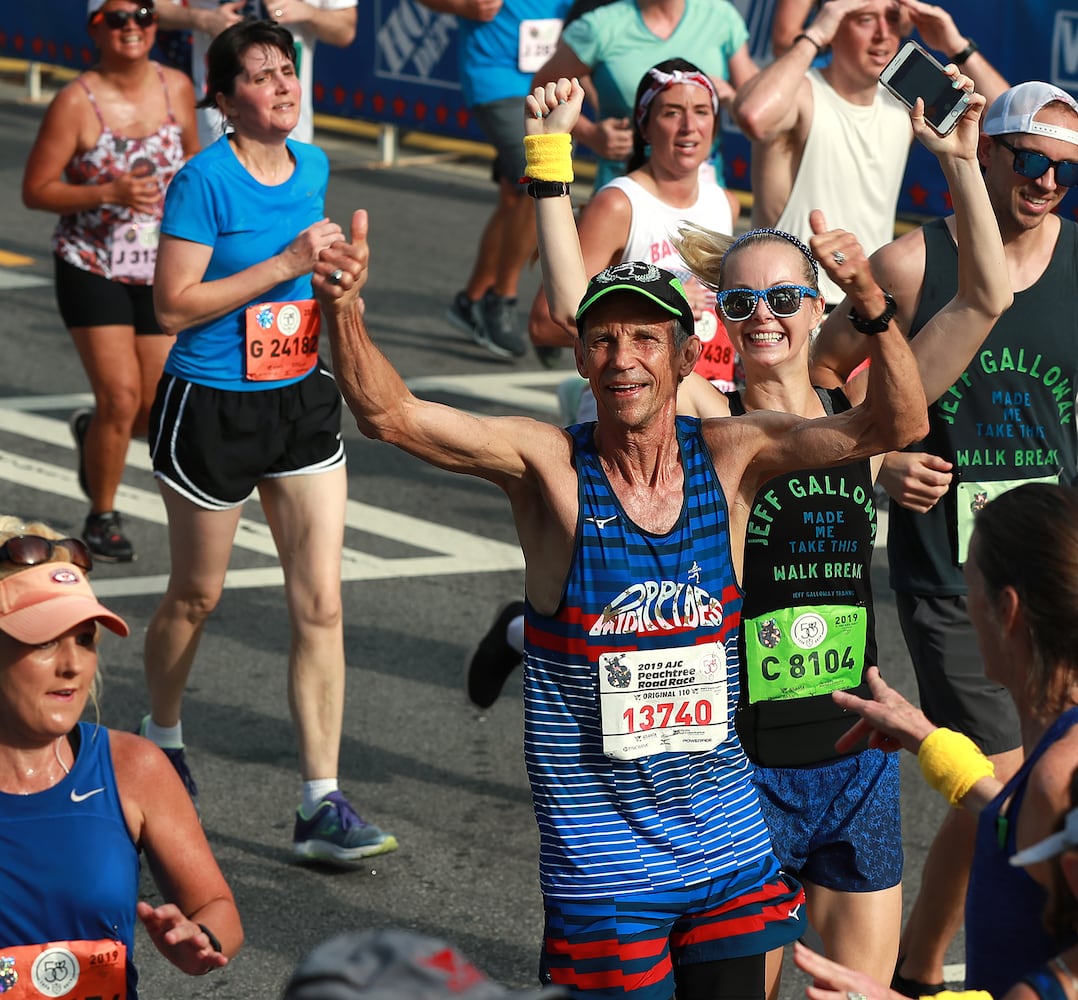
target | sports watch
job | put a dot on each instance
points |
(548, 189)
(879, 324)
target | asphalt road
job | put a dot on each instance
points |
(431, 557)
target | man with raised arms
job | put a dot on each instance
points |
(656, 867)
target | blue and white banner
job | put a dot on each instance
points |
(402, 67)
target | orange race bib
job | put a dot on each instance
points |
(77, 970)
(282, 339)
(717, 357)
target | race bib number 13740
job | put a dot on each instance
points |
(663, 700)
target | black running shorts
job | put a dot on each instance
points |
(213, 446)
(86, 299)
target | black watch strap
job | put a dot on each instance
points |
(879, 324)
(548, 189)
(960, 57)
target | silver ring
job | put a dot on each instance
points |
(335, 277)
(840, 259)
(538, 114)
(278, 12)
(855, 996)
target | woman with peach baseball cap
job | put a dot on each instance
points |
(69, 916)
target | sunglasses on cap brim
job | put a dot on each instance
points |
(33, 550)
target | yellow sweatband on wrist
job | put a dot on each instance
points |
(952, 764)
(549, 157)
(962, 995)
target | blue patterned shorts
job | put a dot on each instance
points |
(837, 824)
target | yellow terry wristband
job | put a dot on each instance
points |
(963, 995)
(549, 157)
(952, 764)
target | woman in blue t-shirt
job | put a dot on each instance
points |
(244, 404)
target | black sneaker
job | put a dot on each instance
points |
(494, 659)
(467, 316)
(501, 336)
(914, 988)
(79, 422)
(105, 537)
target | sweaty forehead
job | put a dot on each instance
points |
(622, 310)
(764, 263)
(259, 57)
(682, 94)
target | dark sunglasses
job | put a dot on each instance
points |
(1032, 165)
(143, 17)
(32, 550)
(739, 304)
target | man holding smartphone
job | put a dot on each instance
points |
(1008, 419)
(831, 138)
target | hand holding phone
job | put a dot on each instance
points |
(913, 73)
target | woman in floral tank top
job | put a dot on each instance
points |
(107, 148)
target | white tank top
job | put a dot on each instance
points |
(654, 222)
(851, 169)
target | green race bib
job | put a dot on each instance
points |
(801, 652)
(973, 496)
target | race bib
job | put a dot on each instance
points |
(972, 497)
(133, 251)
(717, 357)
(537, 39)
(78, 970)
(801, 652)
(663, 700)
(282, 339)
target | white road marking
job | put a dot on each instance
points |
(442, 550)
(450, 550)
(955, 974)
(11, 280)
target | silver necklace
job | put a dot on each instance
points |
(59, 759)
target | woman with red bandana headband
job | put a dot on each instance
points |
(669, 181)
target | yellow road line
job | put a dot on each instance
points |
(8, 259)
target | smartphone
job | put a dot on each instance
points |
(914, 73)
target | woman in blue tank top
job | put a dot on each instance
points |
(1022, 574)
(79, 802)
